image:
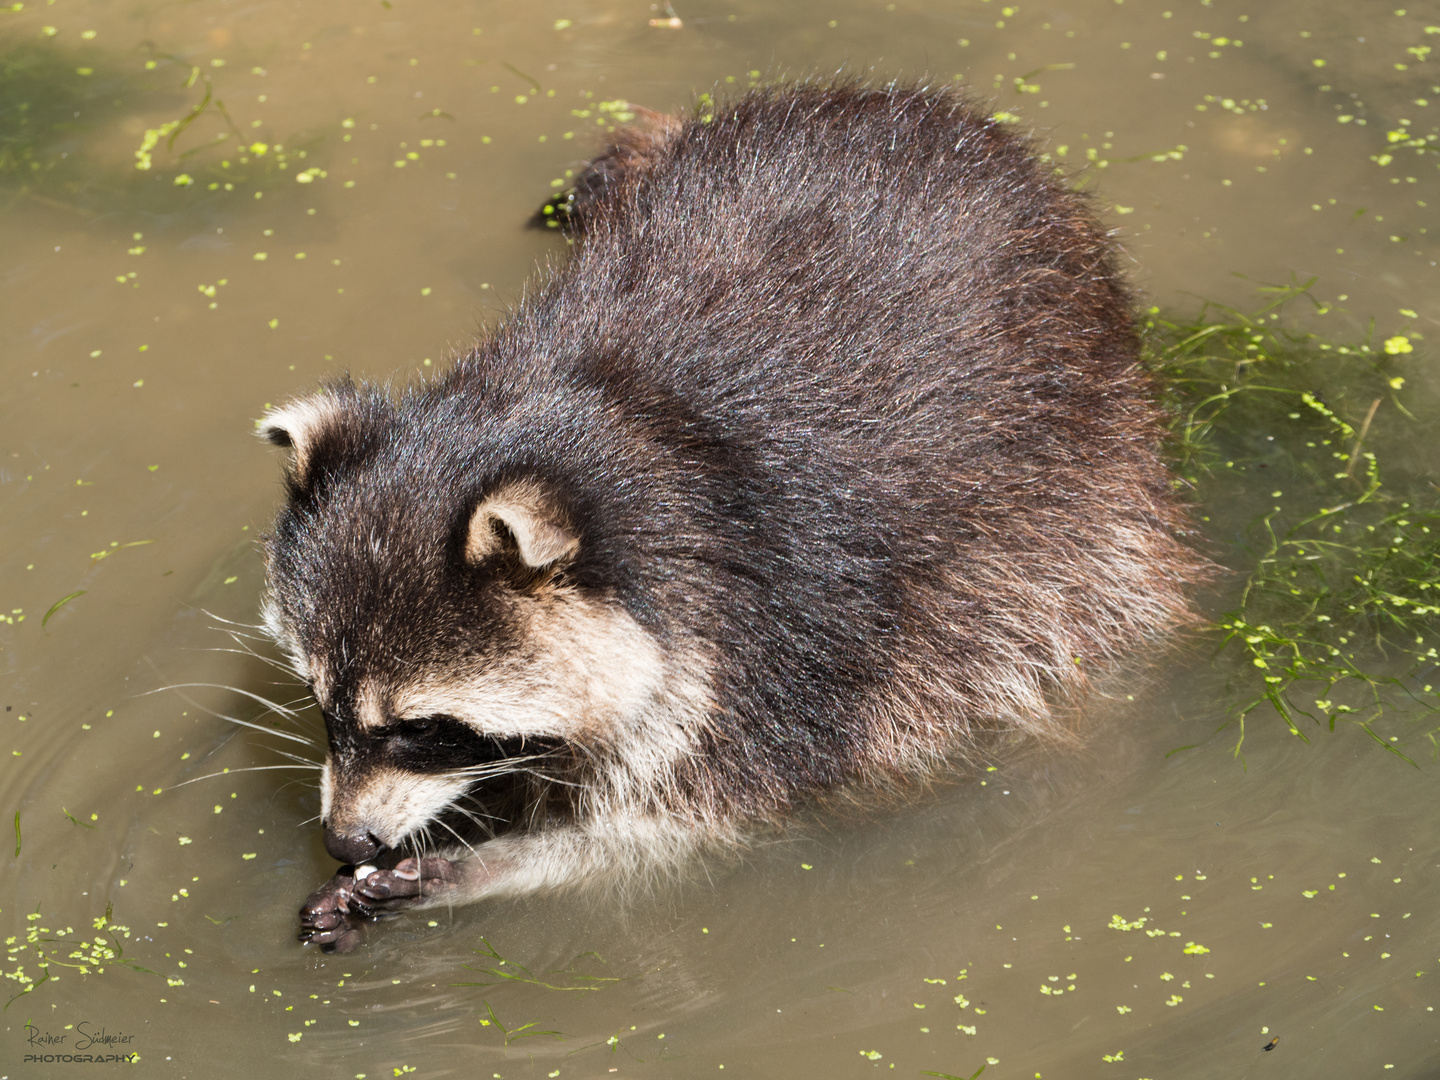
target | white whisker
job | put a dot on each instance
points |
(234, 720)
(548, 778)
(232, 772)
(261, 727)
(276, 664)
(477, 819)
(474, 815)
(282, 710)
(231, 622)
(294, 757)
(444, 825)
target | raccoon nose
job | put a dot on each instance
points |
(349, 847)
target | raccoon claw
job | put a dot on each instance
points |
(341, 940)
(407, 882)
(326, 917)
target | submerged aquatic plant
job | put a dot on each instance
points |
(1296, 448)
(50, 97)
(48, 949)
(57, 103)
(571, 977)
(256, 164)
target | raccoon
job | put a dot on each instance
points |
(827, 451)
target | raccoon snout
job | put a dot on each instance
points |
(350, 848)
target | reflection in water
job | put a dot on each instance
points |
(136, 367)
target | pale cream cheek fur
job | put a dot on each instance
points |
(589, 673)
(283, 636)
(578, 666)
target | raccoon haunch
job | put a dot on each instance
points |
(826, 450)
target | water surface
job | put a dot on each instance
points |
(1112, 912)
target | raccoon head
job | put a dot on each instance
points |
(473, 675)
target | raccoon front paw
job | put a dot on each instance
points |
(327, 918)
(411, 882)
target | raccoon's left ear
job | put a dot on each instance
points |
(542, 534)
(298, 425)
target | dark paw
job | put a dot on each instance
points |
(379, 891)
(327, 918)
(333, 916)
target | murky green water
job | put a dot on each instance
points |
(146, 323)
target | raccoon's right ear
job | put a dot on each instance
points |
(542, 534)
(298, 425)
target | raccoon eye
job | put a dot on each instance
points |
(423, 727)
(433, 744)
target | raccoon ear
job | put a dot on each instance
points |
(541, 532)
(298, 424)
